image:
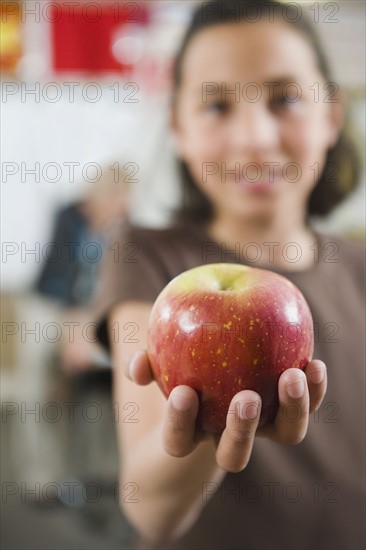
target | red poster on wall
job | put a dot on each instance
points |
(97, 37)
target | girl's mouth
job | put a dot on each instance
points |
(260, 186)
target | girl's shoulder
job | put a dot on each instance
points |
(160, 234)
(172, 249)
(165, 241)
(348, 253)
(345, 248)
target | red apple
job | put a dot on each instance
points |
(223, 328)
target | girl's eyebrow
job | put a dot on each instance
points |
(282, 81)
(221, 89)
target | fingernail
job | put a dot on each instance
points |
(296, 389)
(317, 375)
(131, 369)
(181, 401)
(248, 411)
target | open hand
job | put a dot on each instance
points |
(300, 393)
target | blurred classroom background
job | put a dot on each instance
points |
(85, 89)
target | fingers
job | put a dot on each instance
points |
(180, 421)
(236, 443)
(316, 375)
(138, 369)
(299, 393)
(292, 419)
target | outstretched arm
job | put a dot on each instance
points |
(164, 455)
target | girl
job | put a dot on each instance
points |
(257, 153)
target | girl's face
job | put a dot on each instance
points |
(253, 118)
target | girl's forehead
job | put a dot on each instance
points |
(253, 50)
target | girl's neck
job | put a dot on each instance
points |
(284, 243)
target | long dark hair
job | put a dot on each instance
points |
(342, 168)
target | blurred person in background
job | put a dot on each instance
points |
(307, 495)
(82, 231)
(79, 367)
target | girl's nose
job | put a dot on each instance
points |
(254, 130)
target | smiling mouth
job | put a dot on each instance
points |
(262, 186)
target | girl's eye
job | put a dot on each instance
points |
(281, 102)
(218, 107)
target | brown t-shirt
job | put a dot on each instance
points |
(310, 496)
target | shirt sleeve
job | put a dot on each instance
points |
(131, 271)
